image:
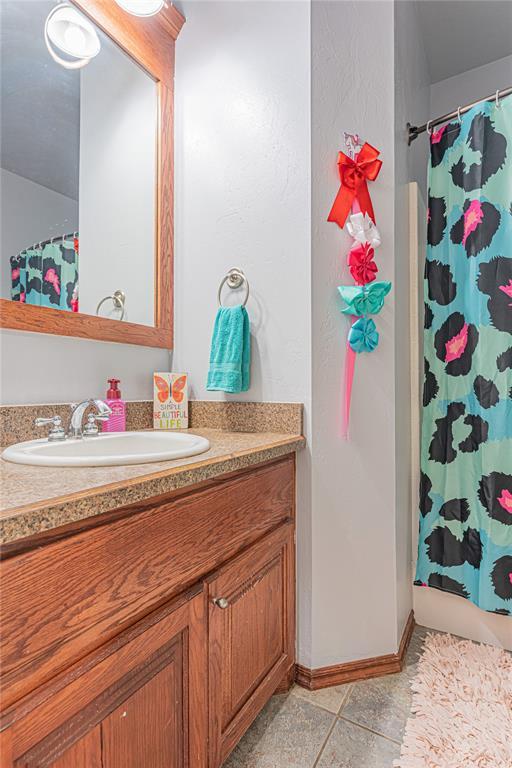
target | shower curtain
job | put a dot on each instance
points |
(46, 276)
(465, 542)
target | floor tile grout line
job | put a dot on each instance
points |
(345, 698)
(329, 732)
(366, 728)
(322, 706)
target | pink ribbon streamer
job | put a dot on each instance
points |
(350, 362)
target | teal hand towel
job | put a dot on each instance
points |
(230, 356)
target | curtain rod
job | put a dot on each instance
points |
(51, 240)
(414, 130)
(41, 243)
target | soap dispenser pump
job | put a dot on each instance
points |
(117, 419)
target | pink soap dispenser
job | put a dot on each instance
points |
(117, 419)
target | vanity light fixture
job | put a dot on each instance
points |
(69, 31)
(141, 7)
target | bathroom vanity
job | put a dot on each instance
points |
(151, 634)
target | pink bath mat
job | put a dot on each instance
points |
(462, 707)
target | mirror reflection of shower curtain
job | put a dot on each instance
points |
(47, 276)
(465, 538)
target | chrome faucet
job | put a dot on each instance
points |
(91, 428)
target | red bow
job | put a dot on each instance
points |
(361, 264)
(353, 176)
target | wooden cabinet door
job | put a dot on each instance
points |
(251, 636)
(85, 753)
(138, 702)
(147, 729)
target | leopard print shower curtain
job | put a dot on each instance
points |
(465, 543)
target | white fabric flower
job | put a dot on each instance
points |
(363, 230)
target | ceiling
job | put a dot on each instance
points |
(39, 101)
(464, 34)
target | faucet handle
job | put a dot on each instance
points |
(91, 428)
(56, 432)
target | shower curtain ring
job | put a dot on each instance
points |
(458, 116)
(498, 105)
(429, 127)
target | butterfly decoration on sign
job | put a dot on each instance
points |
(353, 208)
(165, 388)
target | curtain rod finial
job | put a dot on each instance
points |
(412, 133)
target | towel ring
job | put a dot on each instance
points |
(234, 278)
(118, 298)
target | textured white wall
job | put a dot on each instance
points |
(242, 185)
(29, 213)
(474, 84)
(412, 97)
(433, 608)
(36, 368)
(354, 567)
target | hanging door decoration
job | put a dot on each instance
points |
(353, 208)
(465, 541)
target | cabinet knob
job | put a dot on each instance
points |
(221, 602)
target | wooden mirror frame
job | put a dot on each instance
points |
(150, 42)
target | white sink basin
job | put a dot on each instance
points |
(111, 449)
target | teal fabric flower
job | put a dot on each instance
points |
(363, 335)
(364, 299)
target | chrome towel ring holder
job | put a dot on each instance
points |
(118, 298)
(235, 278)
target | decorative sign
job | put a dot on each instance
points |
(170, 401)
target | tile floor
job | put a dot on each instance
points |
(358, 725)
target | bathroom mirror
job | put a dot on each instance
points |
(86, 170)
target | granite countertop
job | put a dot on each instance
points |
(36, 499)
